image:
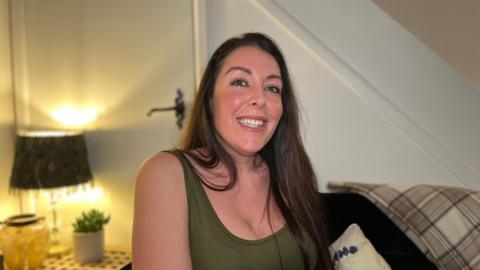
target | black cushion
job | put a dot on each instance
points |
(127, 267)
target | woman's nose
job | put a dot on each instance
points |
(258, 97)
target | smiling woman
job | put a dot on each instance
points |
(241, 192)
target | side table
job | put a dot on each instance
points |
(112, 259)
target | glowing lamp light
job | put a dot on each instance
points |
(73, 117)
(88, 194)
(82, 194)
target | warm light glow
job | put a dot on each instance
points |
(73, 117)
(87, 194)
(83, 194)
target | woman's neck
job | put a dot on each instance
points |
(249, 167)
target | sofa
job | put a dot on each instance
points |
(443, 222)
(391, 243)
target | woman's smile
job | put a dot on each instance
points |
(251, 122)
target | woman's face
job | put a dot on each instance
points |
(247, 100)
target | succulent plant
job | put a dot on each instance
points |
(91, 221)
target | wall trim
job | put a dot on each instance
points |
(19, 63)
(199, 38)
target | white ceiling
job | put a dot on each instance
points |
(450, 28)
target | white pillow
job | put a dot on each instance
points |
(353, 251)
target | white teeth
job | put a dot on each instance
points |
(251, 122)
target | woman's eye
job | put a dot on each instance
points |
(239, 82)
(273, 89)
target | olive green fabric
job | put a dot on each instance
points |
(213, 247)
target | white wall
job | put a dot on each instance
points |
(379, 106)
(120, 57)
(9, 205)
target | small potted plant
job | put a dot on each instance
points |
(88, 236)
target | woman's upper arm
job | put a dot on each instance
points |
(160, 224)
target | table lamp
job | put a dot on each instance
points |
(48, 160)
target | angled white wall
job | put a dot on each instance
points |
(379, 106)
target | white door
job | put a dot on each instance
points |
(115, 59)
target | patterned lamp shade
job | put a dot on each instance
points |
(46, 160)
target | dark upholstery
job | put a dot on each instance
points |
(127, 267)
(347, 208)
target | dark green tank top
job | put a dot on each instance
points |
(213, 247)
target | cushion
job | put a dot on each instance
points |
(444, 222)
(352, 250)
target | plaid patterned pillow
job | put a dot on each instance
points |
(444, 222)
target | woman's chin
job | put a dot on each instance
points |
(249, 150)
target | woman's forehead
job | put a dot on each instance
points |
(250, 57)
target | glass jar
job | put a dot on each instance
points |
(24, 241)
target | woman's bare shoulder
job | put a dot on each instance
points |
(160, 180)
(160, 169)
(160, 227)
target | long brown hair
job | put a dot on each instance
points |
(292, 180)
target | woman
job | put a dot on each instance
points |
(241, 193)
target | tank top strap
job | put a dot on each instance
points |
(193, 186)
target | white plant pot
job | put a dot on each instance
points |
(88, 247)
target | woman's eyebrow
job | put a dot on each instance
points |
(273, 76)
(248, 71)
(244, 69)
